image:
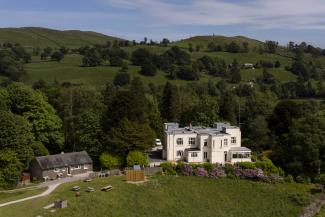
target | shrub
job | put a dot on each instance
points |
(289, 179)
(137, 158)
(246, 165)
(201, 172)
(179, 167)
(217, 172)
(303, 179)
(229, 169)
(109, 161)
(168, 168)
(248, 173)
(187, 170)
(122, 78)
(267, 166)
(148, 69)
(207, 166)
(322, 179)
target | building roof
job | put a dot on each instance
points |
(217, 129)
(63, 160)
(192, 149)
(242, 149)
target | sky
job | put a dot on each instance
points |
(279, 20)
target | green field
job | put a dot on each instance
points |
(42, 37)
(172, 196)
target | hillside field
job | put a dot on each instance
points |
(43, 37)
(172, 196)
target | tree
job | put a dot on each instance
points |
(190, 47)
(258, 134)
(110, 161)
(57, 56)
(245, 47)
(165, 42)
(137, 158)
(228, 107)
(10, 67)
(271, 46)
(32, 105)
(148, 69)
(233, 47)
(88, 133)
(170, 103)
(129, 136)
(16, 136)
(92, 58)
(141, 56)
(235, 76)
(122, 79)
(188, 72)
(10, 169)
(267, 78)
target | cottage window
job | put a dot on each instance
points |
(205, 142)
(179, 141)
(179, 153)
(225, 142)
(233, 140)
(193, 154)
(191, 141)
(86, 167)
(76, 167)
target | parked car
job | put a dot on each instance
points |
(158, 142)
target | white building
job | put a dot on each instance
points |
(219, 144)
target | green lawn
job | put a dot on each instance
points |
(18, 194)
(171, 196)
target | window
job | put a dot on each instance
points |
(225, 142)
(191, 141)
(205, 142)
(56, 170)
(179, 141)
(76, 167)
(233, 140)
(213, 143)
(205, 155)
(221, 143)
(85, 167)
(241, 155)
(193, 154)
(179, 153)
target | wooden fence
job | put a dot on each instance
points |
(135, 175)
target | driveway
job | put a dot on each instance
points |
(51, 186)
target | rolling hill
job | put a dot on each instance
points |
(42, 37)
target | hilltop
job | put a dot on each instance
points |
(42, 37)
(219, 39)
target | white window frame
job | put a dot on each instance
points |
(225, 142)
(85, 167)
(191, 140)
(205, 155)
(76, 167)
(205, 142)
(179, 141)
(194, 154)
(233, 140)
(179, 153)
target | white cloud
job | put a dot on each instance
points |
(295, 14)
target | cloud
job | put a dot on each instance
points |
(295, 14)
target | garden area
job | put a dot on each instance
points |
(165, 195)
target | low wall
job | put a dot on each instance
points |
(314, 207)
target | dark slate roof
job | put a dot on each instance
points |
(64, 159)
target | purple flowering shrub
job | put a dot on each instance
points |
(256, 174)
(201, 172)
(217, 172)
(187, 170)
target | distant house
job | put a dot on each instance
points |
(218, 144)
(61, 165)
(248, 66)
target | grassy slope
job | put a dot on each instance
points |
(10, 196)
(170, 196)
(33, 36)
